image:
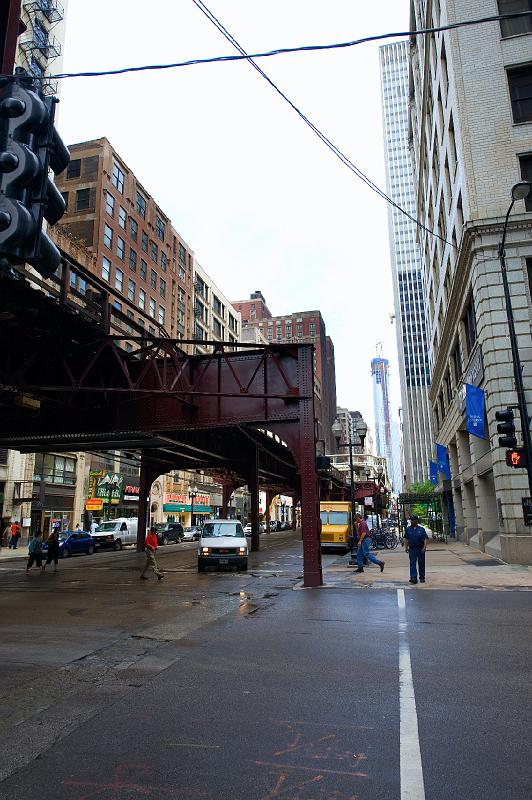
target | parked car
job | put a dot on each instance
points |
(72, 543)
(275, 525)
(192, 533)
(247, 529)
(116, 533)
(222, 543)
(170, 532)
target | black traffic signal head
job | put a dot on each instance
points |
(29, 146)
(516, 457)
(506, 427)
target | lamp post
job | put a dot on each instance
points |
(521, 191)
(192, 493)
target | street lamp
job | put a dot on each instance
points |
(521, 191)
(361, 429)
(192, 493)
(337, 431)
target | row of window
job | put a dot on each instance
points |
(147, 246)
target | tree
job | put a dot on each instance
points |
(423, 487)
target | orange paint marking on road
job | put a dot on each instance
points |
(127, 778)
(285, 790)
(312, 769)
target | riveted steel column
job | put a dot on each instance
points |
(312, 572)
(9, 32)
(147, 475)
(253, 485)
(227, 493)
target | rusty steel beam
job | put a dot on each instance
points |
(10, 28)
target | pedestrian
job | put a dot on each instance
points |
(94, 525)
(35, 551)
(53, 549)
(78, 527)
(363, 550)
(15, 535)
(6, 535)
(150, 546)
(416, 539)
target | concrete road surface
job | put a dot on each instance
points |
(226, 686)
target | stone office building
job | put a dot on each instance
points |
(471, 141)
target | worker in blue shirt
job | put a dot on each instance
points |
(415, 545)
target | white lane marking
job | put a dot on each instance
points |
(411, 768)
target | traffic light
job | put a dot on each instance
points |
(506, 427)
(29, 147)
(516, 457)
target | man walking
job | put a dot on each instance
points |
(150, 546)
(363, 551)
(415, 545)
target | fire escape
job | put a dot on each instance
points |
(38, 44)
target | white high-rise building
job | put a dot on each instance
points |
(406, 264)
(384, 447)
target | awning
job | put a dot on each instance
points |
(173, 507)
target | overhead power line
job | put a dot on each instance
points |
(286, 50)
(327, 142)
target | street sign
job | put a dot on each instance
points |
(527, 510)
(95, 504)
(516, 457)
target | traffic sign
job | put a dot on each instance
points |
(516, 457)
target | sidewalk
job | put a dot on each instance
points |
(11, 555)
(449, 566)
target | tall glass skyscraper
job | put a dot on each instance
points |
(385, 433)
(407, 275)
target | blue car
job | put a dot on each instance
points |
(72, 543)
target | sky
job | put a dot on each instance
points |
(258, 198)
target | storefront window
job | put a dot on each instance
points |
(54, 469)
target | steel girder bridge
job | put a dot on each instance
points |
(242, 413)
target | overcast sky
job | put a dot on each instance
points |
(263, 203)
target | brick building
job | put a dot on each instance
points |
(136, 248)
(301, 327)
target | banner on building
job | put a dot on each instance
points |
(475, 411)
(433, 468)
(442, 458)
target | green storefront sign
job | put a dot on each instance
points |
(106, 486)
(173, 507)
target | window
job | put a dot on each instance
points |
(154, 252)
(141, 205)
(54, 469)
(132, 259)
(106, 268)
(142, 298)
(144, 241)
(133, 229)
(117, 305)
(74, 168)
(119, 280)
(526, 174)
(83, 199)
(161, 315)
(120, 248)
(448, 387)
(108, 236)
(117, 178)
(64, 195)
(218, 306)
(143, 269)
(153, 279)
(470, 326)
(162, 287)
(520, 83)
(515, 27)
(109, 204)
(159, 227)
(131, 290)
(312, 328)
(164, 261)
(217, 329)
(152, 307)
(122, 217)
(232, 322)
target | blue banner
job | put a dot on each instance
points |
(474, 399)
(443, 460)
(434, 473)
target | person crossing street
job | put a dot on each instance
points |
(363, 551)
(150, 547)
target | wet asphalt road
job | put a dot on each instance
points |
(236, 687)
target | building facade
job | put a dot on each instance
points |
(137, 250)
(471, 140)
(214, 316)
(412, 349)
(40, 47)
(384, 434)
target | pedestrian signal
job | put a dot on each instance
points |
(516, 457)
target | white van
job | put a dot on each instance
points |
(222, 543)
(116, 533)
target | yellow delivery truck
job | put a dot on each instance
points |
(336, 525)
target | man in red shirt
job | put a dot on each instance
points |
(363, 544)
(150, 546)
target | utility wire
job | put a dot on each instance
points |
(284, 50)
(327, 142)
